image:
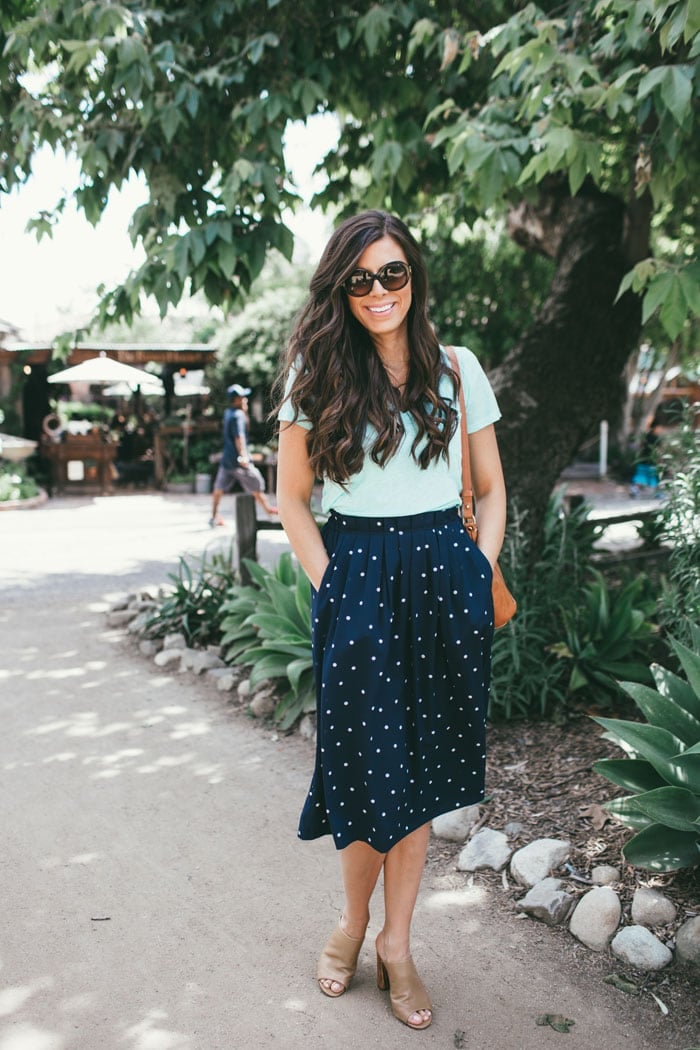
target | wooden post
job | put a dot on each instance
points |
(246, 532)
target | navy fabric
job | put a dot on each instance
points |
(402, 628)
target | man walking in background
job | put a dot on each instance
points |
(236, 467)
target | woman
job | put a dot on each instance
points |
(401, 604)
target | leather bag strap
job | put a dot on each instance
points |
(468, 518)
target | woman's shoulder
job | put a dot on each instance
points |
(466, 359)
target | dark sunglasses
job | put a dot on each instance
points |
(392, 276)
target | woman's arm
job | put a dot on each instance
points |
(489, 491)
(295, 481)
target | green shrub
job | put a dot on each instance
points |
(15, 484)
(607, 635)
(663, 770)
(267, 625)
(193, 604)
(527, 681)
(680, 466)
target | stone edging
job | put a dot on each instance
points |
(25, 504)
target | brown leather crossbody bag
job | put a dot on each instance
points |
(504, 604)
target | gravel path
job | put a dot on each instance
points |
(154, 895)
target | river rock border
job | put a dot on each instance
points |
(552, 892)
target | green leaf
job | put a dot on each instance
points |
(672, 806)
(269, 665)
(273, 625)
(257, 572)
(295, 670)
(690, 662)
(633, 774)
(688, 769)
(170, 120)
(628, 811)
(663, 712)
(676, 91)
(674, 311)
(658, 848)
(657, 746)
(677, 690)
(375, 27)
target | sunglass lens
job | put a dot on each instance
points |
(394, 276)
(359, 283)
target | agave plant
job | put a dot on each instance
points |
(192, 604)
(663, 770)
(268, 625)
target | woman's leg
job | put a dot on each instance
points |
(360, 866)
(403, 868)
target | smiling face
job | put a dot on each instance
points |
(382, 313)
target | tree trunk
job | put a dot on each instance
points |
(565, 375)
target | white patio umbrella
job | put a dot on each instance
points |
(103, 371)
(150, 386)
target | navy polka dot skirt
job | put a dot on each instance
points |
(402, 628)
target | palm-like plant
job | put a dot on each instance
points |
(268, 625)
(663, 770)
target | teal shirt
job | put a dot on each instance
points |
(400, 487)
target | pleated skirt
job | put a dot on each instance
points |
(402, 628)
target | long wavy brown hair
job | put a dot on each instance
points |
(340, 384)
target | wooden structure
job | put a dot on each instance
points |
(91, 451)
(247, 527)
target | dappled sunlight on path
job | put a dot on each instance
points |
(153, 894)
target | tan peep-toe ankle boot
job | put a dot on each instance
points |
(406, 990)
(338, 961)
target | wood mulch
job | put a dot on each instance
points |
(541, 775)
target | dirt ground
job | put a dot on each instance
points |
(154, 894)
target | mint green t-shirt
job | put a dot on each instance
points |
(400, 487)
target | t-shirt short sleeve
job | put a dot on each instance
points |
(286, 412)
(480, 400)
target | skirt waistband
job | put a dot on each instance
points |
(402, 523)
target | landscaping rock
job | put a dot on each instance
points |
(307, 728)
(167, 657)
(203, 661)
(488, 849)
(244, 689)
(605, 875)
(513, 828)
(120, 618)
(688, 942)
(226, 681)
(150, 646)
(120, 603)
(596, 917)
(651, 908)
(188, 657)
(214, 649)
(639, 947)
(455, 826)
(537, 860)
(139, 622)
(262, 705)
(547, 901)
(176, 640)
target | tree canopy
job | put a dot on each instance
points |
(575, 120)
(436, 99)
